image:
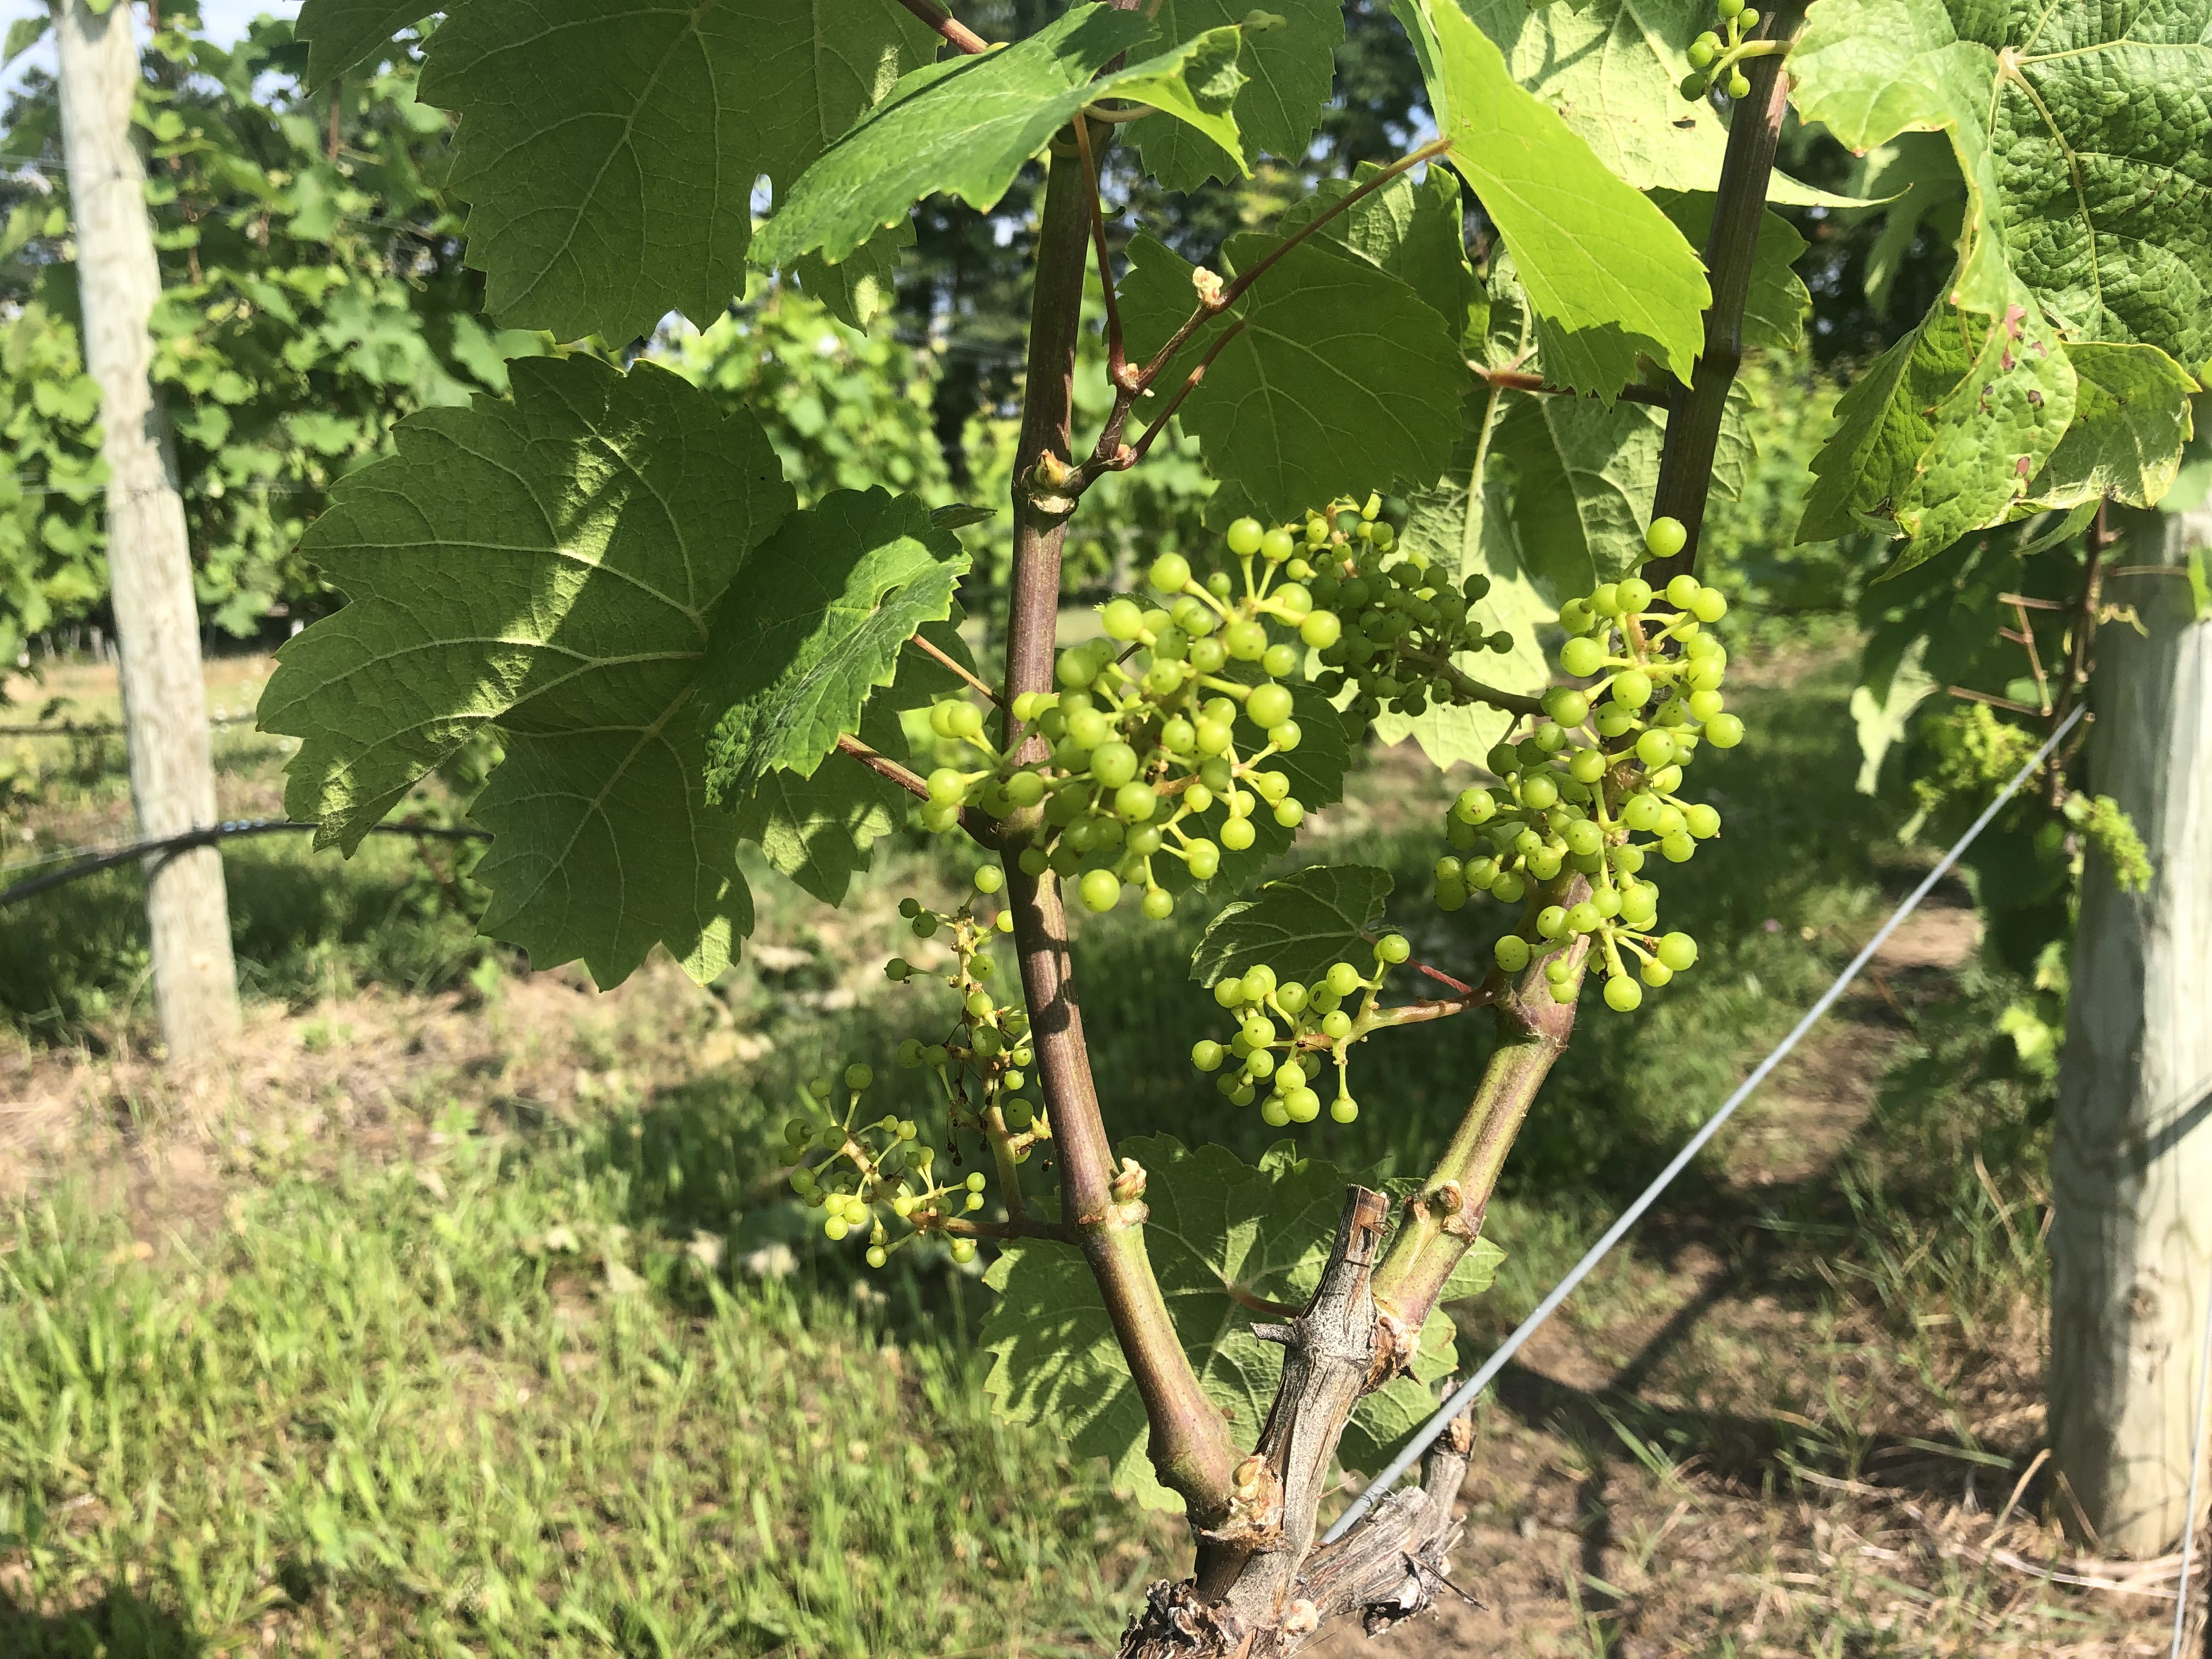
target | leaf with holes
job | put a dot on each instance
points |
(545, 567)
(341, 33)
(814, 623)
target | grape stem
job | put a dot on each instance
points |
(945, 657)
(1695, 411)
(1022, 1226)
(1522, 379)
(950, 28)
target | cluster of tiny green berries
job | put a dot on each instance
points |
(1313, 1027)
(1603, 770)
(1161, 734)
(1714, 58)
(979, 1066)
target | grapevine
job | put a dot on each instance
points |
(1319, 1026)
(1715, 58)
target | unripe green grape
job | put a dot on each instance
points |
(1730, 7)
(1163, 677)
(1614, 720)
(1343, 1110)
(1321, 629)
(1033, 861)
(1576, 617)
(1146, 839)
(1393, 948)
(1238, 834)
(989, 879)
(1122, 618)
(1024, 789)
(1277, 545)
(1208, 656)
(924, 926)
(1671, 822)
(1287, 735)
(1202, 859)
(1073, 668)
(1666, 780)
(1632, 689)
(1704, 703)
(1739, 85)
(963, 1250)
(1280, 661)
(1702, 821)
(975, 1201)
(1289, 1075)
(1509, 889)
(1552, 920)
(1245, 640)
(1678, 951)
(1207, 1054)
(1474, 806)
(1549, 739)
(1559, 970)
(1135, 802)
(1302, 1105)
(1086, 729)
(1678, 848)
(1511, 953)
(1604, 599)
(1655, 748)
(1170, 573)
(1606, 901)
(1501, 642)
(1655, 973)
(1229, 991)
(834, 1228)
(1700, 55)
(1273, 1113)
(1692, 87)
(1623, 995)
(1635, 591)
(1582, 918)
(1268, 705)
(1288, 814)
(1244, 536)
(1683, 589)
(1724, 731)
(1640, 812)
(1343, 979)
(1566, 705)
(1336, 1025)
(965, 720)
(1584, 838)
(1581, 657)
(1004, 921)
(946, 786)
(1259, 981)
(1258, 1063)
(857, 1076)
(877, 1255)
(1710, 606)
(1113, 764)
(1540, 791)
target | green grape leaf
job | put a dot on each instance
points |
(965, 127)
(1156, 297)
(1340, 380)
(1941, 433)
(1609, 277)
(1296, 925)
(1611, 68)
(1583, 479)
(609, 148)
(1466, 534)
(958, 516)
(1882, 713)
(2130, 422)
(2080, 130)
(546, 567)
(1774, 310)
(1288, 69)
(814, 621)
(341, 33)
(1476, 1272)
(861, 288)
(1219, 1229)
(1413, 231)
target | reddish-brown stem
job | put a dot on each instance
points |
(1522, 379)
(946, 658)
(1117, 366)
(884, 765)
(1018, 1227)
(1428, 1008)
(1695, 411)
(1235, 290)
(947, 25)
(1126, 457)
(1188, 1444)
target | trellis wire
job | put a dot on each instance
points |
(2195, 1473)
(1597, 1252)
(208, 836)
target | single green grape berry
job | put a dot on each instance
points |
(1559, 970)
(1632, 687)
(1287, 735)
(1258, 1063)
(1693, 87)
(1623, 995)
(1700, 56)
(1273, 1113)
(834, 1228)
(1244, 538)
(1584, 838)
(1159, 903)
(1678, 951)
(1268, 705)
(1710, 606)
(1288, 814)
(1169, 574)
(1207, 1054)
(1682, 591)
(1122, 619)
(1393, 948)
(1666, 536)
(1724, 731)
(1100, 891)
(1509, 889)
(1344, 979)
(1655, 973)
(1655, 749)
(1343, 1110)
(1582, 918)
(1321, 629)
(1280, 661)
(897, 970)
(1636, 593)
(1702, 821)
(1034, 860)
(1246, 641)
(1581, 657)
(877, 1255)
(1336, 1025)
(1277, 545)
(946, 785)
(963, 1250)
(1024, 789)
(1113, 764)
(1134, 802)
(1259, 981)
(1678, 848)
(1552, 920)
(1540, 791)
(1511, 953)
(990, 879)
(1705, 703)
(1566, 705)
(857, 1076)
(1289, 1075)
(1238, 834)
(1203, 860)
(1739, 86)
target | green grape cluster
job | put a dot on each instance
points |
(1714, 58)
(875, 1176)
(1591, 790)
(1161, 732)
(1313, 1027)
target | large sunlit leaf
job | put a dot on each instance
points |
(1416, 232)
(608, 149)
(2131, 421)
(1288, 68)
(1609, 276)
(964, 127)
(1219, 1229)
(546, 567)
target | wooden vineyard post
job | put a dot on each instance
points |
(2131, 1237)
(149, 562)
